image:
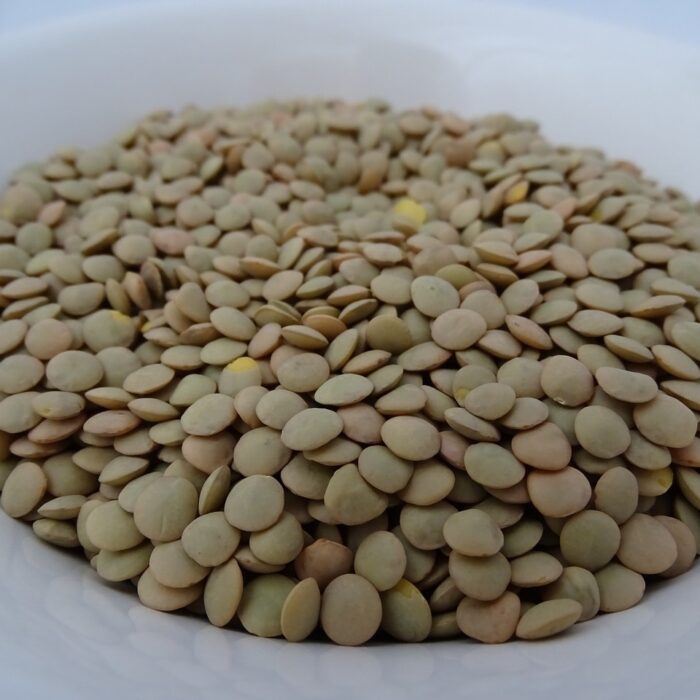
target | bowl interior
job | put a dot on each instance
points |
(80, 81)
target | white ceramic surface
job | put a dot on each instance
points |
(63, 633)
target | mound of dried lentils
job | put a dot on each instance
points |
(312, 365)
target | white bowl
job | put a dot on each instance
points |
(64, 634)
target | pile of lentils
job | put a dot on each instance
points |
(323, 368)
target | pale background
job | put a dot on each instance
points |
(676, 19)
